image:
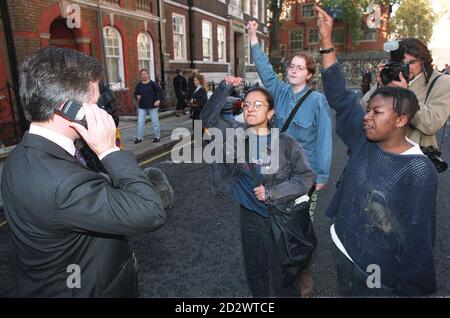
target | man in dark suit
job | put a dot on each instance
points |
(70, 224)
(180, 86)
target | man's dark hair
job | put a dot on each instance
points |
(420, 51)
(51, 76)
(405, 101)
(266, 93)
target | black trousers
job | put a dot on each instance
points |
(262, 268)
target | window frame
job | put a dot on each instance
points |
(224, 49)
(121, 84)
(151, 58)
(206, 59)
(302, 40)
(308, 5)
(184, 49)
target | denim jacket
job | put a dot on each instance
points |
(311, 126)
(294, 176)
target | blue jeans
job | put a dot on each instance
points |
(262, 268)
(142, 113)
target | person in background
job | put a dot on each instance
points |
(423, 78)
(199, 97)
(311, 124)
(180, 86)
(70, 225)
(384, 209)
(149, 96)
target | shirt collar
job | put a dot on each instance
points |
(64, 142)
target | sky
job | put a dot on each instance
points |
(440, 41)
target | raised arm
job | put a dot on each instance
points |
(349, 114)
(210, 114)
(265, 70)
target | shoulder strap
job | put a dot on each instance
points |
(251, 165)
(294, 111)
(431, 86)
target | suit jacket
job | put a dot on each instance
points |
(61, 213)
(433, 113)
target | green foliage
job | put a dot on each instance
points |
(414, 18)
(353, 11)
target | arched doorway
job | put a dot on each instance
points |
(61, 35)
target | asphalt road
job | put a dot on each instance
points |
(198, 252)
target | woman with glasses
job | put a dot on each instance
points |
(280, 165)
(311, 125)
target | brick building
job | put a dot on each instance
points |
(207, 35)
(210, 36)
(298, 32)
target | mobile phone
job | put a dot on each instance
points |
(73, 110)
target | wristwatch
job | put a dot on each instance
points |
(326, 51)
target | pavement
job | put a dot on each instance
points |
(144, 150)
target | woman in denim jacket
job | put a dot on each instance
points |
(282, 167)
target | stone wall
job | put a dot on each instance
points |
(354, 64)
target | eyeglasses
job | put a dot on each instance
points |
(412, 61)
(258, 105)
(297, 67)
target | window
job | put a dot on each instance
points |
(308, 10)
(255, 8)
(369, 35)
(338, 36)
(207, 41)
(313, 36)
(114, 57)
(264, 47)
(296, 41)
(145, 53)
(236, 3)
(221, 43)
(262, 10)
(247, 6)
(179, 40)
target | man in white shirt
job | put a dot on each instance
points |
(70, 224)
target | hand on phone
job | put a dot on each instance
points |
(101, 135)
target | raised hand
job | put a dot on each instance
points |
(232, 80)
(252, 28)
(325, 25)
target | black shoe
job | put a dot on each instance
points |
(157, 139)
(137, 141)
(177, 115)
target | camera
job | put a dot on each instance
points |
(435, 157)
(391, 71)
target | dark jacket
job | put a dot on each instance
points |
(107, 101)
(200, 97)
(61, 213)
(180, 86)
(292, 179)
(385, 206)
(150, 93)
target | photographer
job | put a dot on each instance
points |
(422, 79)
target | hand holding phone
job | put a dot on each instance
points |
(101, 135)
(73, 110)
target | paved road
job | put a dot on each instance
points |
(198, 252)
